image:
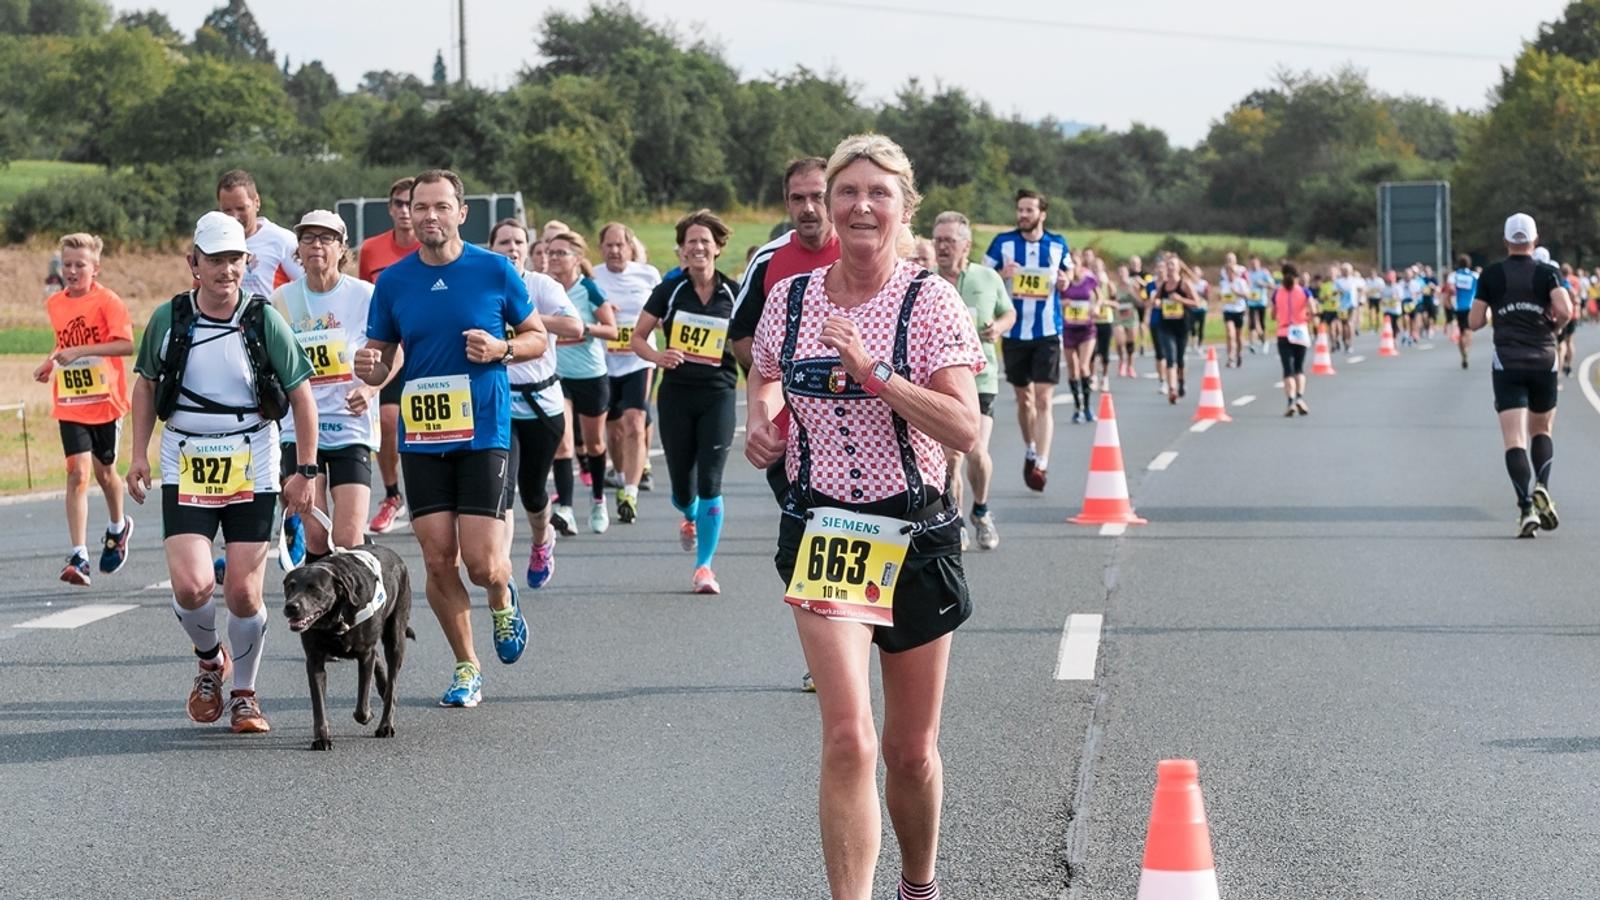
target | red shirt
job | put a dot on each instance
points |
(1290, 308)
(379, 252)
(97, 317)
(783, 257)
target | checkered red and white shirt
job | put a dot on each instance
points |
(854, 452)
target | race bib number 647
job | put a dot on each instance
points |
(849, 566)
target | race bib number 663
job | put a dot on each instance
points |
(849, 566)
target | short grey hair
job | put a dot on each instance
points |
(951, 217)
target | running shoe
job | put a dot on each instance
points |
(510, 630)
(390, 509)
(114, 548)
(1172, 396)
(1088, 415)
(599, 519)
(1288, 410)
(807, 685)
(705, 581)
(988, 537)
(687, 536)
(626, 510)
(562, 519)
(245, 711)
(1527, 523)
(1030, 474)
(1300, 406)
(76, 571)
(1182, 390)
(588, 480)
(466, 687)
(1463, 362)
(541, 564)
(647, 482)
(613, 478)
(1077, 417)
(205, 698)
(1545, 507)
(292, 549)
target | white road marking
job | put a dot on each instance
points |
(1355, 359)
(159, 586)
(78, 616)
(1424, 346)
(1586, 382)
(1202, 426)
(1162, 460)
(1246, 400)
(1113, 529)
(1150, 375)
(1080, 644)
(1060, 399)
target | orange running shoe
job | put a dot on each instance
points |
(246, 712)
(205, 698)
(705, 581)
(687, 536)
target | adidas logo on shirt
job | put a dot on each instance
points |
(440, 286)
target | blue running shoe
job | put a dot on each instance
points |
(293, 546)
(114, 548)
(220, 570)
(541, 564)
(510, 630)
(466, 687)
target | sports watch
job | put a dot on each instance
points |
(877, 377)
(309, 472)
(510, 354)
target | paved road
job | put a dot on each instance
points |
(1387, 695)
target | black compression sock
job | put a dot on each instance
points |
(1520, 469)
(563, 474)
(391, 490)
(980, 509)
(596, 466)
(1543, 454)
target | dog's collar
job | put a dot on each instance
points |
(379, 595)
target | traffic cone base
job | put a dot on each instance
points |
(1177, 851)
(1105, 495)
(1322, 361)
(1386, 340)
(1212, 405)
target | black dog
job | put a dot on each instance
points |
(336, 607)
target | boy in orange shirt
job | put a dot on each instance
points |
(90, 391)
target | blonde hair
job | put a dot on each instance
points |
(582, 246)
(881, 152)
(951, 217)
(83, 241)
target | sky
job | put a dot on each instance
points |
(1174, 65)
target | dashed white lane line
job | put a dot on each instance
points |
(1355, 359)
(1246, 400)
(1113, 529)
(1277, 384)
(1424, 346)
(1586, 382)
(1162, 460)
(1080, 644)
(159, 586)
(78, 616)
(1202, 426)
(1059, 399)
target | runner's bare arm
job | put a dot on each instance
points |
(297, 490)
(375, 362)
(764, 441)
(645, 348)
(1478, 316)
(741, 352)
(1561, 307)
(563, 326)
(606, 329)
(123, 347)
(144, 424)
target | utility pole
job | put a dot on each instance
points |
(461, 32)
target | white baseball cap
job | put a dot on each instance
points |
(321, 218)
(218, 232)
(1541, 254)
(1521, 230)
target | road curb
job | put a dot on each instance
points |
(17, 499)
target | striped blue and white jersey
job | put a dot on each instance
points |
(1033, 288)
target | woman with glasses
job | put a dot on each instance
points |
(581, 364)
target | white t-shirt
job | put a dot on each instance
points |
(331, 327)
(271, 259)
(627, 291)
(549, 299)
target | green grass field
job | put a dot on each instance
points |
(26, 174)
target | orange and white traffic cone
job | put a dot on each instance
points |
(1322, 360)
(1386, 341)
(1105, 497)
(1212, 406)
(1177, 847)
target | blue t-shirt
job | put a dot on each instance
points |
(426, 308)
(1465, 281)
(1033, 289)
(585, 358)
(1262, 284)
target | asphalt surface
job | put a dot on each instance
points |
(1387, 695)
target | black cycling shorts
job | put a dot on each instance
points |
(1293, 357)
(533, 451)
(1530, 389)
(100, 440)
(1032, 362)
(590, 396)
(1461, 316)
(464, 482)
(986, 404)
(931, 598)
(630, 391)
(342, 465)
(1237, 318)
(242, 523)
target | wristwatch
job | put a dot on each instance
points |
(309, 472)
(510, 354)
(878, 377)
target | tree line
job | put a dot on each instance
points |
(621, 113)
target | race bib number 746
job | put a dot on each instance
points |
(849, 566)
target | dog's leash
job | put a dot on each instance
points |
(288, 564)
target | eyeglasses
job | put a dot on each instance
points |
(558, 254)
(327, 240)
(399, 201)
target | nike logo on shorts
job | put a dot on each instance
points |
(948, 608)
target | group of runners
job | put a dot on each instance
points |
(474, 374)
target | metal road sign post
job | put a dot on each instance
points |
(1414, 224)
